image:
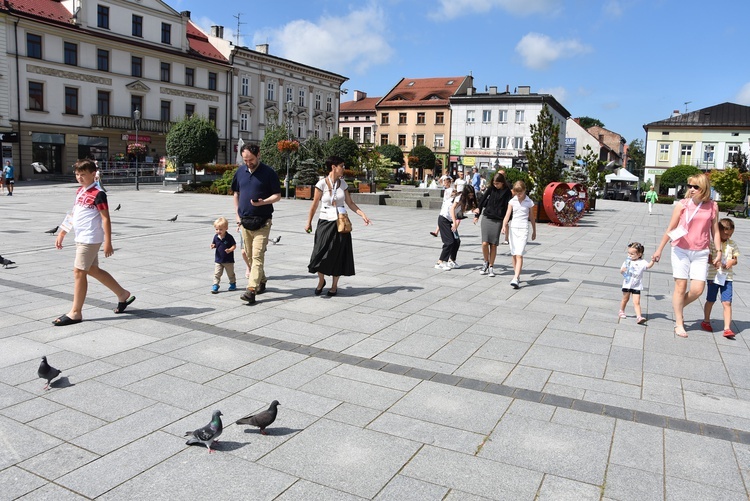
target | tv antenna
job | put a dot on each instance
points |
(686, 103)
(237, 35)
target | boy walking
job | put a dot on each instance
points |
(9, 177)
(93, 229)
(720, 280)
(225, 245)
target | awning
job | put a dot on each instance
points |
(621, 175)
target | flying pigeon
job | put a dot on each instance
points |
(46, 371)
(39, 167)
(6, 262)
(173, 219)
(53, 230)
(208, 434)
(276, 240)
(261, 419)
(118, 206)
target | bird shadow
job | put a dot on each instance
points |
(62, 382)
(276, 432)
(227, 446)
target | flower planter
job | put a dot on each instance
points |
(366, 188)
(303, 192)
(564, 203)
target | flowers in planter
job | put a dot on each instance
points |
(137, 149)
(286, 145)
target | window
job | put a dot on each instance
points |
(402, 118)
(190, 77)
(102, 102)
(102, 16)
(102, 59)
(420, 118)
(34, 46)
(502, 143)
(708, 153)
(383, 139)
(420, 139)
(664, 152)
(165, 111)
(244, 119)
(189, 110)
(345, 132)
(486, 116)
(71, 101)
(36, 96)
(317, 101)
(439, 117)
(329, 131)
(70, 51)
(384, 119)
(484, 142)
(519, 116)
(439, 141)
(470, 116)
(402, 140)
(271, 92)
(686, 154)
(356, 135)
(301, 101)
(502, 116)
(732, 150)
(211, 80)
(136, 103)
(165, 71)
(245, 86)
(518, 143)
(213, 113)
(329, 104)
(289, 94)
(166, 33)
(316, 132)
(136, 66)
(469, 142)
(137, 26)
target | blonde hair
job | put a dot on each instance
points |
(519, 186)
(704, 182)
(221, 223)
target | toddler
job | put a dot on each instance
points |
(720, 280)
(632, 271)
(224, 244)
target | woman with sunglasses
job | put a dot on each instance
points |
(695, 220)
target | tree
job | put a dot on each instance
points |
(591, 166)
(269, 149)
(425, 159)
(345, 148)
(392, 152)
(587, 122)
(307, 173)
(512, 175)
(313, 149)
(544, 164)
(729, 183)
(193, 140)
(636, 158)
(677, 176)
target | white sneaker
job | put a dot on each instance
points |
(505, 242)
(485, 266)
(442, 266)
(491, 272)
(453, 264)
(514, 283)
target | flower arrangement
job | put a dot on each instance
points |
(137, 148)
(286, 145)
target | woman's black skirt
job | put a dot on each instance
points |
(332, 253)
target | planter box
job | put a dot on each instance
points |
(303, 192)
(366, 188)
(539, 213)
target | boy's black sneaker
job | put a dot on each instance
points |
(248, 296)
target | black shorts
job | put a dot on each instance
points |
(632, 291)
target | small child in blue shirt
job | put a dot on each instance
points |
(224, 244)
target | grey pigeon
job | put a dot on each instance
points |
(173, 219)
(46, 371)
(262, 419)
(276, 240)
(118, 206)
(53, 230)
(208, 434)
(6, 262)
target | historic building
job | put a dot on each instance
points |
(358, 119)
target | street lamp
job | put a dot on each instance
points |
(137, 116)
(289, 113)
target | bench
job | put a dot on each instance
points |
(737, 211)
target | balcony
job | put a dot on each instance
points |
(128, 123)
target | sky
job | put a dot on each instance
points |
(624, 62)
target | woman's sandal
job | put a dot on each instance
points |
(318, 292)
(122, 305)
(680, 331)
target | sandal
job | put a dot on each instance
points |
(66, 320)
(124, 304)
(680, 331)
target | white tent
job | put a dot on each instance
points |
(621, 174)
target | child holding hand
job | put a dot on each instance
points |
(720, 279)
(632, 271)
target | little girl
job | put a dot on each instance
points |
(632, 271)
(520, 207)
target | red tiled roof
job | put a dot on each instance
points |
(422, 91)
(366, 104)
(47, 9)
(199, 43)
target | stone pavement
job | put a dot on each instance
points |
(412, 383)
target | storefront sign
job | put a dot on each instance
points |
(8, 137)
(491, 153)
(132, 137)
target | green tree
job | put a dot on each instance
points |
(729, 183)
(425, 160)
(313, 149)
(307, 173)
(392, 152)
(512, 175)
(591, 166)
(587, 122)
(677, 176)
(544, 164)
(193, 140)
(269, 150)
(636, 158)
(345, 148)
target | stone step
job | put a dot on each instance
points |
(413, 203)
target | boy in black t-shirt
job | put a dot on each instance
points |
(224, 244)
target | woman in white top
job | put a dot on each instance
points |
(520, 208)
(332, 252)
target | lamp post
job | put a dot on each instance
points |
(414, 145)
(289, 112)
(374, 145)
(137, 116)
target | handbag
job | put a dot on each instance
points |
(343, 223)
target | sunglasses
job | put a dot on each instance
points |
(694, 186)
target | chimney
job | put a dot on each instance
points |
(507, 88)
(493, 90)
(470, 91)
(675, 113)
(185, 13)
(524, 90)
(217, 31)
(262, 48)
(359, 95)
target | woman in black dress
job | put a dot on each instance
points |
(493, 205)
(332, 252)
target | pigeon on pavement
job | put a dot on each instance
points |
(53, 230)
(6, 262)
(118, 206)
(46, 371)
(262, 419)
(276, 240)
(208, 434)
(173, 219)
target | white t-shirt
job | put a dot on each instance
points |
(445, 209)
(633, 278)
(459, 184)
(331, 206)
(521, 212)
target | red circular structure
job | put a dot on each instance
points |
(564, 203)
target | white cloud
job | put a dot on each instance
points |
(539, 51)
(743, 96)
(611, 105)
(559, 93)
(449, 9)
(613, 8)
(349, 43)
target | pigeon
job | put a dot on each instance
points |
(53, 230)
(261, 419)
(276, 240)
(46, 371)
(39, 167)
(173, 219)
(6, 262)
(208, 434)
(118, 206)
